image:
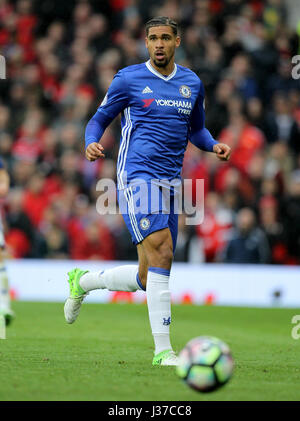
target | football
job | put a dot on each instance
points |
(205, 363)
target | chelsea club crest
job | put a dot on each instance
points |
(144, 223)
(185, 91)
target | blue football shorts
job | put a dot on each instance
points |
(148, 207)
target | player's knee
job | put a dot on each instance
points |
(159, 249)
(164, 256)
(167, 252)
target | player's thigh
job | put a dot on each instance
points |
(158, 247)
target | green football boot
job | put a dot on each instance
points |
(77, 295)
(167, 357)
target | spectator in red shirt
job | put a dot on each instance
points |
(35, 199)
(243, 138)
(94, 242)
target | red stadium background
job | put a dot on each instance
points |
(60, 59)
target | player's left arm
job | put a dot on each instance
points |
(4, 182)
(200, 136)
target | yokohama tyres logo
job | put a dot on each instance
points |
(183, 107)
(174, 103)
(168, 103)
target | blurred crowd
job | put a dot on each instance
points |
(61, 57)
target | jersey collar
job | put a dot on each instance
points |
(156, 73)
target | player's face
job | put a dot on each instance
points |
(161, 44)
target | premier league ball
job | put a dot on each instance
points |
(205, 364)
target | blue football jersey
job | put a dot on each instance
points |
(159, 113)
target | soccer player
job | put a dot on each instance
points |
(5, 308)
(162, 106)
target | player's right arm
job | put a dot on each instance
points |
(115, 101)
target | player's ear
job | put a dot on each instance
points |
(178, 41)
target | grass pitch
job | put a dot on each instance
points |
(107, 353)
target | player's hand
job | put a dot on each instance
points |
(222, 151)
(94, 151)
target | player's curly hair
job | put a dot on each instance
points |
(162, 21)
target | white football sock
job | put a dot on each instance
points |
(120, 278)
(159, 307)
(4, 288)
